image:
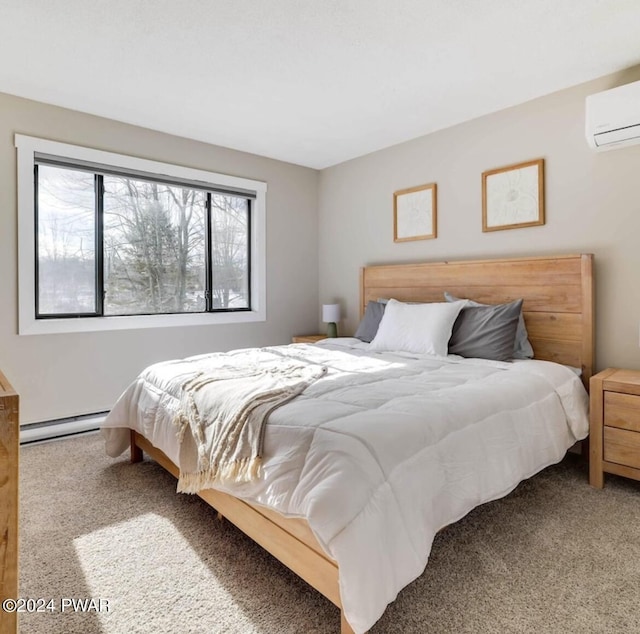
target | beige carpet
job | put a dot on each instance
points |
(554, 556)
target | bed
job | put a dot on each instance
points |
(346, 453)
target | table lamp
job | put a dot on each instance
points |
(331, 315)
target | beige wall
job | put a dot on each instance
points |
(592, 205)
(65, 375)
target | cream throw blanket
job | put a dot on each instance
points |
(226, 410)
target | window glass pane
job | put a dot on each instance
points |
(66, 241)
(154, 248)
(229, 251)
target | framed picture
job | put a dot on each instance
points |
(415, 213)
(513, 196)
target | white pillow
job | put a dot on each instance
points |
(417, 328)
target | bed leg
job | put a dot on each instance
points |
(136, 452)
(345, 628)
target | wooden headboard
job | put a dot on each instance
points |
(557, 291)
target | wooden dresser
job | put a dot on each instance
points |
(614, 434)
(9, 444)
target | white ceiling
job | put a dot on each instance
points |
(312, 82)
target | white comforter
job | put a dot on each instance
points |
(385, 450)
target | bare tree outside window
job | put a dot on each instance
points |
(66, 241)
(164, 248)
(154, 248)
(229, 249)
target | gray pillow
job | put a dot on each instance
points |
(486, 332)
(368, 327)
(522, 348)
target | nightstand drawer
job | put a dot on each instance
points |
(622, 410)
(622, 447)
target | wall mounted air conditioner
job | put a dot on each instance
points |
(613, 117)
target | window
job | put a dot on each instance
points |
(118, 245)
(109, 241)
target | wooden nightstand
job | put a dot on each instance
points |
(307, 338)
(614, 431)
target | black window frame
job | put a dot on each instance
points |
(99, 172)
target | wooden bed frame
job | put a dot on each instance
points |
(558, 309)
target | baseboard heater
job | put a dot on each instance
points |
(54, 429)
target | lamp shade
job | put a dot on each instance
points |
(330, 313)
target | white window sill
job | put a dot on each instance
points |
(95, 324)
